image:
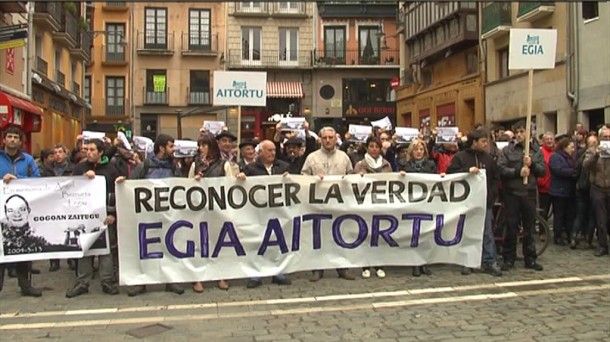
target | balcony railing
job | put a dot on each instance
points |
(116, 3)
(355, 57)
(155, 42)
(48, 13)
(269, 59)
(114, 54)
(534, 10)
(155, 98)
(496, 14)
(76, 88)
(42, 66)
(196, 97)
(68, 33)
(290, 8)
(193, 43)
(60, 78)
(254, 8)
(110, 106)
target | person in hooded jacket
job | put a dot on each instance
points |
(474, 158)
(562, 190)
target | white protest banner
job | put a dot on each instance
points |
(406, 134)
(384, 123)
(214, 127)
(90, 135)
(359, 132)
(240, 88)
(532, 49)
(185, 148)
(53, 218)
(292, 124)
(446, 135)
(181, 230)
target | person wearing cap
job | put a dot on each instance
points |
(519, 198)
(291, 153)
(247, 152)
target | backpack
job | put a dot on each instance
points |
(147, 164)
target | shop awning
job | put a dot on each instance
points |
(289, 90)
(11, 102)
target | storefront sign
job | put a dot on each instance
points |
(366, 109)
(235, 88)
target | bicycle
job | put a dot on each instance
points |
(541, 234)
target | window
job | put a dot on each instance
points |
(590, 10)
(472, 63)
(87, 89)
(156, 28)
(156, 86)
(60, 78)
(199, 30)
(503, 63)
(199, 87)
(289, 42)
(58, 60)
(148, 126)
(334, 45)
(115, 96)
(289, 7)
(75, 83)
(426, 77)
(366, 90)
(368, 42)
(251, 42)
(115, 50)
(38, 44)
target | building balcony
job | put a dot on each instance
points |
(83, 48)
(110, 107)
(196, 45)
(155, 43)
(423, 16)
(115, 6)
(68, 32)
(155, 98)
(13, 7)
(76, 88)
(290, 9)
(357, 9)
(251, 9)
(530, 11)
(60, 78)
(48, 15)
(41, 66)
(114, 54)
(356, 58)
(496, 20)
(196, 97)
(269, 59)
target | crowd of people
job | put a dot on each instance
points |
(558, 171)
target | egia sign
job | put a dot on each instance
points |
(235, 88)
(532, 49)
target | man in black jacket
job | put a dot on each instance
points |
(266, 164)
(98, 164)
(520, 199)
(292, 148)
(473, 159)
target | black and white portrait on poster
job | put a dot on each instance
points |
(44, 218)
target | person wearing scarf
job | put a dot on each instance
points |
(373, 162)
(562, 190)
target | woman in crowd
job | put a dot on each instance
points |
(418, 162)
(373, 162)
(563, 186)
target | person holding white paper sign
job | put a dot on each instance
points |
(373, 162)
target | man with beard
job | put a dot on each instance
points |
(157, 166)
(97, 163)
(14, 164)
(59, 167)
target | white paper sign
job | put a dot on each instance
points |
(58, 217)
(605, 147)
(143, 144)
(240, 88)
(292, 124)
(532, 49)
(359, 132)
(222, 228)
(406, 134)
(213, 127)
(185, 148)
(384, 123)
(446, 135)
(90, 135)
(124, 140)
(502, 144)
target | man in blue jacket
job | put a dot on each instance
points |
(14, 164)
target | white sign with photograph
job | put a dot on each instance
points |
(446, 135)
(406, 134)
(90, 135)
(605, 147)
(214, 127)
(384, 123)
(359, 133)
(292, 124)
(185, 148)
(53, 218)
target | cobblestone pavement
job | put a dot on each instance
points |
(568, 301)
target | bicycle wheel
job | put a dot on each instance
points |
(542, 234)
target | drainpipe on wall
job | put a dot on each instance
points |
(572, 63)
(131, 41)
(482, 60)
(30, 49)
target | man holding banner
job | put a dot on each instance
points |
(329, 160)
(14, 164)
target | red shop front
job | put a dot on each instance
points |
(20, 113)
